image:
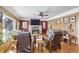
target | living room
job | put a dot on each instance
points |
(27, 29)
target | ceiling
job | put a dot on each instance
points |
(31, 12)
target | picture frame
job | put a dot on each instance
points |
(66, 20)
(73, 19)
(44, 25)
(61, 20)
(24, 25)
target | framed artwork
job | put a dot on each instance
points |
(62, 20)
(24, 24)
(66, 20)
(44, 25)
(73, 19)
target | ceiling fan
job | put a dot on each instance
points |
(44, 13)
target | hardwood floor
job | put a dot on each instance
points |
(65, 48)
(69, 48)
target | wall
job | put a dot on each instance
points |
(77, 28)
(56, 26)
(63, 26)
(16, 25)
(29, 27)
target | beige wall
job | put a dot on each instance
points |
(64, 26)
(56, 26)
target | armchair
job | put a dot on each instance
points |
(55, 41)
(23, 42)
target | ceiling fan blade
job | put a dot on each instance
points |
(45, 15)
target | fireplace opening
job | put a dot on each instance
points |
(35, 31)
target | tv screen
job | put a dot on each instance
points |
(35, 22)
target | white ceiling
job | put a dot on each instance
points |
(28, 12)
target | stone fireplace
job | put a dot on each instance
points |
(36, 29)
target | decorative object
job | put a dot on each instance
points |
(73, 19)
(66, 20)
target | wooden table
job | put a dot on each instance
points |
(40, 45)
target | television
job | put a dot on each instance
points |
(35, 22)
